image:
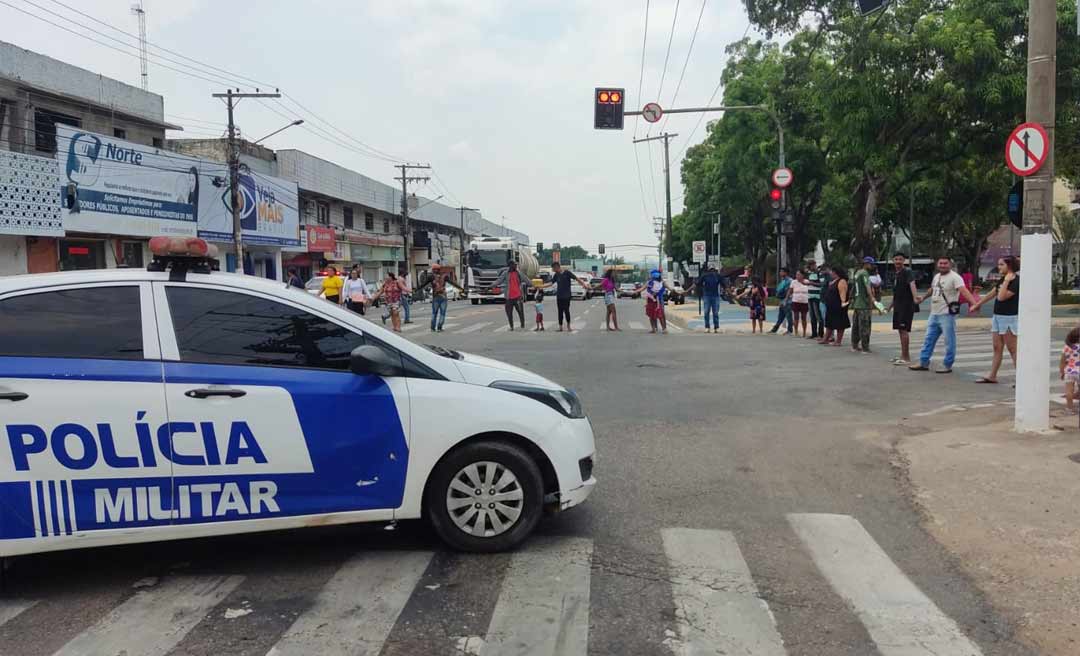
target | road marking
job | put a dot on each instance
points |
(154, 620)
(543, 608)
(411, 326)
(717, 607)
(901, 620)
(637, 325)
(673, 328)
(502, 329)
(12, 608)
(473, 328)
(356, 609)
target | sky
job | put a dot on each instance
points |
(495, 94)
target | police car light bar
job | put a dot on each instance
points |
(179, 255)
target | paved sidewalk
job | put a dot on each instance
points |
(1006, 506)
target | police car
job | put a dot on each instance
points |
(180, 402)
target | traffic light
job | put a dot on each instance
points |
(601, 249)
(539, 248)
(608, 113)
(776, 197)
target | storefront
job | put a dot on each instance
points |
(315, 251)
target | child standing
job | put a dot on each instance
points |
(539, 309)
(756, 295)
(1069, 367)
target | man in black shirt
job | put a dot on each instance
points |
(903, 306)
(561, 279)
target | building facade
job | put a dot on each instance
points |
(39, 98)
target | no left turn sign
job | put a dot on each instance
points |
(783, 178)
(652, 112)
(1026, 149)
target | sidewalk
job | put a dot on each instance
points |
(736, 319)
(1006, 506)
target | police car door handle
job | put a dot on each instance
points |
(13, 396)
(209, 391)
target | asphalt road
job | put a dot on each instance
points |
(748, 503)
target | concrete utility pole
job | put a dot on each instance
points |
(405, 180)
(231, 99)
(658, 227)
(1036, 244)
(666, 137)
(462, 264)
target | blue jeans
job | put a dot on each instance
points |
(935, 326)
(438, 312)
(712, 304)
(784, 315)
(406, 301)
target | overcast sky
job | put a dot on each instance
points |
(495, 94)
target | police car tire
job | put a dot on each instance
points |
(520, 464)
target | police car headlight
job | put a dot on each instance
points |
(562, 401)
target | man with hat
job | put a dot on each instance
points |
(862, 305)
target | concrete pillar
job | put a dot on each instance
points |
(1033, 345)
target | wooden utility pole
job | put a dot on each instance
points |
(231, 98)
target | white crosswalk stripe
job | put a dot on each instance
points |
(12, 608)
(357, 608)
(718, 607)
(637, 325)
(900, 619)
(154, 620)
(544, 602)
(473, 328)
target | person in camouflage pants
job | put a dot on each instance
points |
(862, 304)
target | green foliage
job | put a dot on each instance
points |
(906, 109)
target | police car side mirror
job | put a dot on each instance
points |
(368, 360)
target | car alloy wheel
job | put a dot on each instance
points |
(484, 499)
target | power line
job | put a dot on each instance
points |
(102, 43)
(686, 63)
(345, 134)
(671, 37)
(162, 48)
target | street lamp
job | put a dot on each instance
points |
(298, 121)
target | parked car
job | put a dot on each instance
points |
(577, 292)
(629, 290)
(676, 294)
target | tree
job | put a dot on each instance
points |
(1066, 232)
(566, 254)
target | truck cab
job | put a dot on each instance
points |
(486, 259)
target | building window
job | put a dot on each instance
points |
(81, 254)
(119, 133)
(369, 221)
(386, 224)
(159, 142)
(71, 323)
(348, 218)
(322, 213)
(132, 254)
(45, 129)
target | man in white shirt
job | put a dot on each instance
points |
(945, 289)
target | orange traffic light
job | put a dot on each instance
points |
(608, 109)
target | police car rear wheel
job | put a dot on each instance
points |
(486, 496)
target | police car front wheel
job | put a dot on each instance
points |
(485, 496)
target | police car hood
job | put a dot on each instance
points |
(478, 370)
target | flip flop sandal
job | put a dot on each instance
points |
(919, 368)
(986, 381)
(943, 371)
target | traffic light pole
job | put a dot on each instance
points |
(1036, 243)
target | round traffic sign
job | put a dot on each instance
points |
(783, 178)
(652, 112)
(1026, 149)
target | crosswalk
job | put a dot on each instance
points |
(543, 602)
(974, 355)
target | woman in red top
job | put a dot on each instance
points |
(391, 293)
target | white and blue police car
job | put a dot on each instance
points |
(179, 402)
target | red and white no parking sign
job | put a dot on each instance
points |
(1026, 149)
